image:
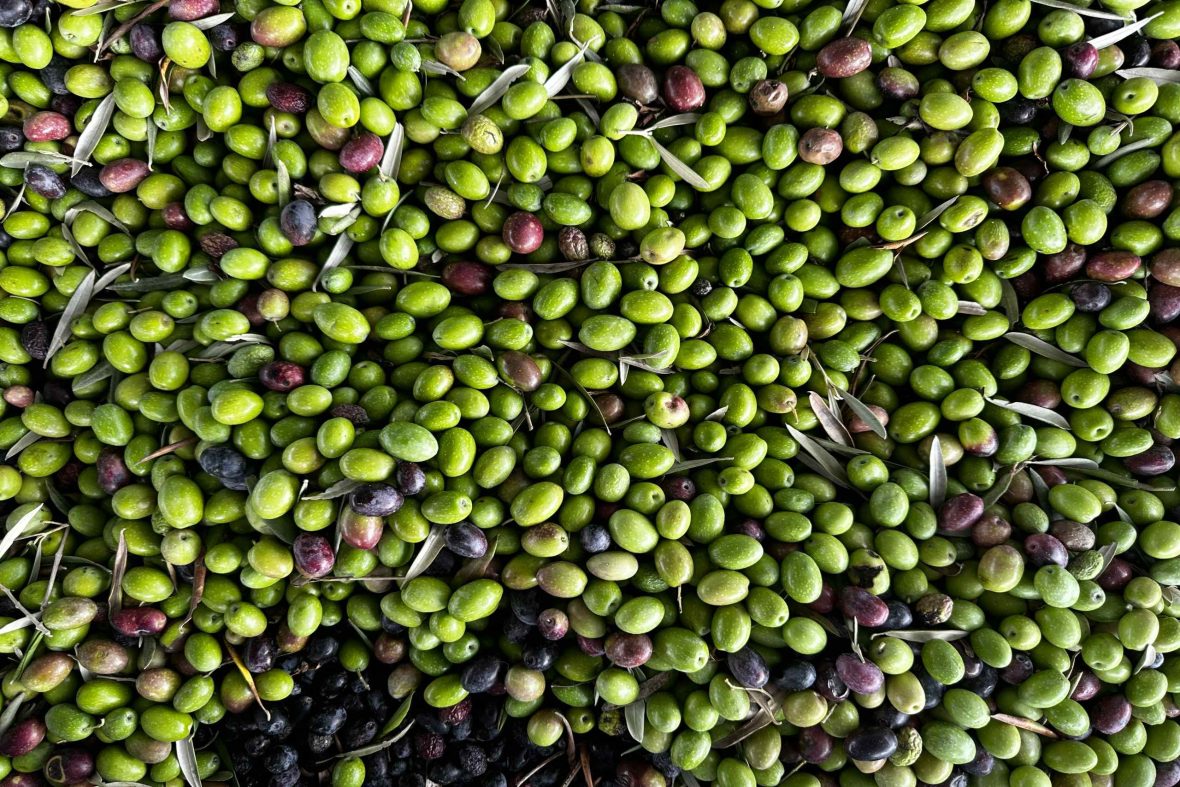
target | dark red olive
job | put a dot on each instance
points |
(22, 737)
(1007, 187)
(1110, 714)
(123, 175)
(861, 677)
(1043, 549)
(281, 376)
(628, 650)
(523, 232)
(467, 277)
(844, 57)
(1080, 60)
(361, 153)
(287, 97)
(47, 126)
(138, 621)
(820, 146)
(863, 607)
(960, 513)
(313, 555)
(683, 89)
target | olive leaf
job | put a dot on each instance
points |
(338, 254)
(399, 715)
(495, 91)
(97, 373)
(635, 715)
(19, 527)
(27, 440)
(391, 159)
(932, 214)
(204, 133)
(96, 126)
(34, 618)
(1036, 412)
(669, 439)
(1146, 660)
(200, 275)
(442, 69)
(852, 14)
(828, 420)
(10, 711)
(101, 8)
(1024, 724)
(1147, 142)
(118, 568)
(1000, 487)
(361, 81)
(68, 234)
(561, 77)
(338, 489)
(1044, 349)
(19, 159)
(282, 183)
(693, 464)
(937, 473)
(863, 412)
(85, 292)
(210, 22)
(1127, 31)
(684, 119)
(151, 143)
(923, 635)
(819, 458)
(589, 109)
(1010, 301)
(753, 724)
(1063, 133)
(971, 308)
(685, 172)
(1121, 480)
(428, 551)
(247, 676)
(1161, 76)
(186, 755)
(1080, 10)
(717, 414)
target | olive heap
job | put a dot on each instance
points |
(751, 393)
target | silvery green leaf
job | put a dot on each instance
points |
(200, 275)
(102, 7)
(392, 158)
(428, 550)
(828, 420)
(67, 234)
(561, 77)
(1080, 10)
(337, 210)
(932, 214)
(495, 91)
(717, 414)
(17, 200)
(248, 338)
(1036, 412)
(282, 183)
(152, 130)
(96, 126)
(1141, 144)
(1122, 480)
(338, 489)
(100, 371)
(863, 412)
(19, 159)
(204, 133)
(20, 526)
(668, 437)
(1146, 659)
(685, 119)
(338, 254)
(589, 109)
(74, 308)
(1044, 349)
(685, 172)
(337, 226)
(852, 14)
(635, 715)
(822, 461)
(118, 569)
(210, 22)
(373, 748)
(20, 445)
(693, 464)
(186, 755)
(937, 473)
(971, 308)
(1159, 76)
(435, 67)
(1010, 301)
(1114, 36)
(361, 81)
(919, 635)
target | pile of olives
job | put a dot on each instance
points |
(749, 393)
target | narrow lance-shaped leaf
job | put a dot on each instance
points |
(921, 635)
(635, 715)
(1158, 75)
(932, 214)
(495, 91)
(392, 158)
(685, 172)
(361, 81)
(561, 77)
(118, 568)
(863, 412)
(937, 473)
(211, 22)
(829, 464)
(1036, 412)
(1147, 142)
(336, 490)
(19, 159)
(96, 126)
(1114, 36)
(19, 527)
(1044, 349)
(828, 420)
(428, 550)
(186, 755)
(1080, 10)
(22, 444)
(338, 254)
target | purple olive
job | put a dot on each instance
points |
(683, 89)
(22, 737)
(281, 376)
(960, 513)
(844, 57)
(313, 555)
(466, 540)
(1080, 60)
(1043, 549)
(361, 153)
(410, 478)
(138, 621)
(287, 97)
(628, 650)
(466, 277)
(298, 222)
(1157, 460)
(47, 126)
(863, 607)
(1110, 714)
(523, 233)
(861, 677)
(871, 744)
(748, 668)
